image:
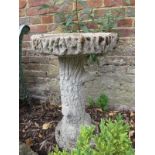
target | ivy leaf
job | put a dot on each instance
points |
(44, 6)
(85, 28)
(69, 20)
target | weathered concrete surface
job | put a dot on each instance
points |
(74, 43)
(115, 81)
(72, 78)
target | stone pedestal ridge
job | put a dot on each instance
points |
(72, 49)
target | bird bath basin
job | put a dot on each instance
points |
(72, 49)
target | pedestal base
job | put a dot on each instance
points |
(66, 134)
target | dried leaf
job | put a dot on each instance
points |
(132, 114)
(36, 124)
(99, 109)
(29, 142)
(40, 136)
(46, 126)
(132, 123)
(112, 113)
(131, 133)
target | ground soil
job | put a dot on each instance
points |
(36, 128)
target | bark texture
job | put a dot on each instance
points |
(72, 75)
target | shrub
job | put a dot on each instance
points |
(112, 140)
(102, 101)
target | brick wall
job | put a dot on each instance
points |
(114, 75)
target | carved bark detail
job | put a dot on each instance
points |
(74, 43)
(72, 97)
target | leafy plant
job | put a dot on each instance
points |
(92, 58)
(107, 22)
(112, 140)
(74, 21)
(102, 101)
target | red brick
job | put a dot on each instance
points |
(22, 12)
(26, 44)
(109, 3)
(133, 24)
(33, 3)
(35, 20)
(133, 2)
(125, 32)
(128, 2)
(95, 3)
(99, 13)
(47, 19)
(61, 8)
(36, 11)
(125, 23)
(80, 6)
(26, 37)
(38, 28)
(22, 4)
(91, 25)
(118, 12)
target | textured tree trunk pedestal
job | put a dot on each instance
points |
(72, 49)
(72, 77)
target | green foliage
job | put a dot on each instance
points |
(105, 23)
(102, 101)
(92, 58)
(57, 152)
(112, 140)
(44, 6)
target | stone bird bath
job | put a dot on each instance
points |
(72, 49)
